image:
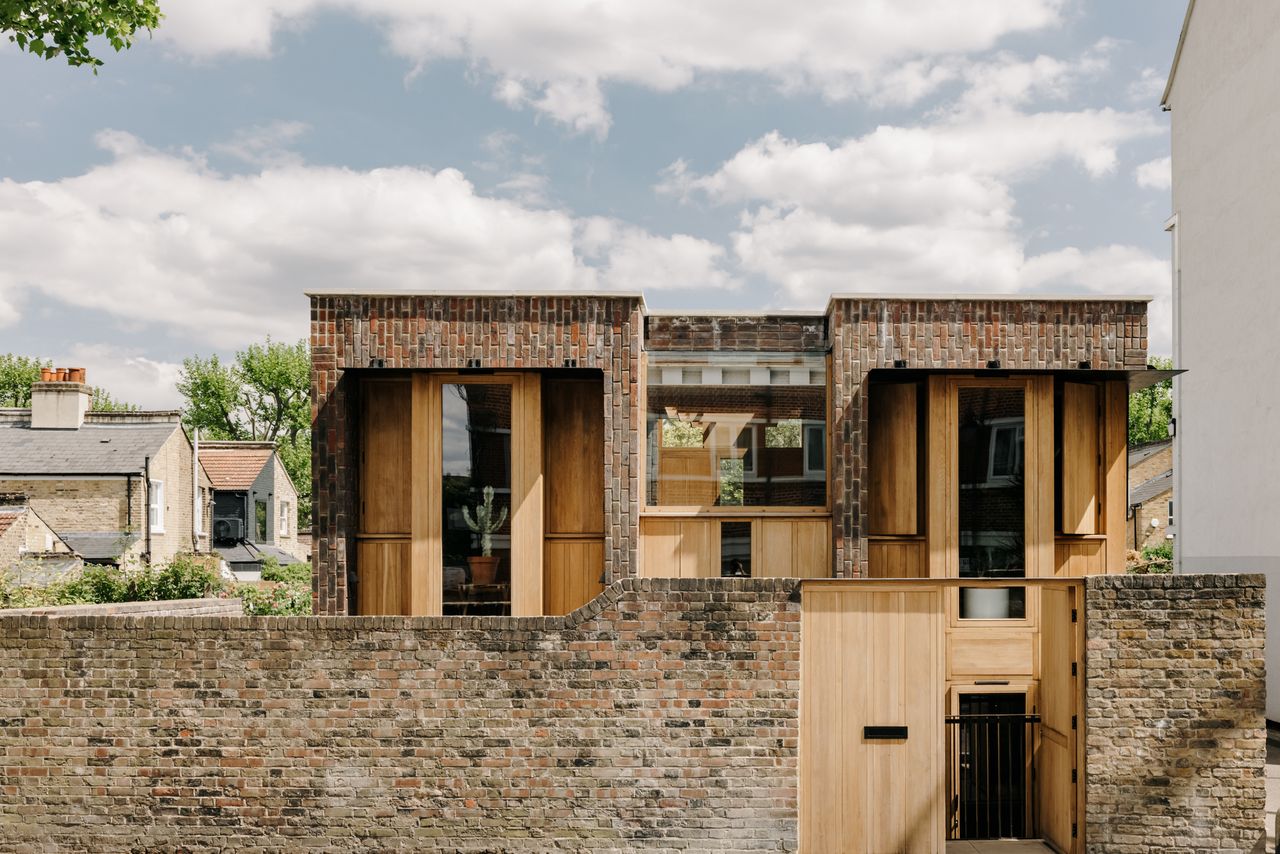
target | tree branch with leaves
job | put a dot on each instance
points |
(52, 28)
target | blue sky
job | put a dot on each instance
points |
(717, 155)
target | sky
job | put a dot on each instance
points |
(715, 155)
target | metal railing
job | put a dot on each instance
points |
(991, 773)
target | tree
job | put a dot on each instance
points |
(264, 394)
(17, 373)
(1151, 409)
(52, 28)
(103, 402)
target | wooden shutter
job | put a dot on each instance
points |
(892, 447)
(1078, 497)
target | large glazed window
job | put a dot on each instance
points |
(737, 437)
(992, 511)
(476, 497)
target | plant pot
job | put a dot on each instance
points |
(984, 603)
(483, 569)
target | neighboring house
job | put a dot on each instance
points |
(1225, 109)
(254, 505)
(114, 486)
(1151, 494)
(31, 553)
(959, 464)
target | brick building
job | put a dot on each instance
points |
(253, 509)
(1151, 494)
(114, 486)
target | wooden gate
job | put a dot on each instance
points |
(872, 767)
(1059, 752)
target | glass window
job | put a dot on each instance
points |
(155, 506)
(260, 519)
(735, 549)
(735, 444)
(992, 521)
(284, 518)
(476, 488)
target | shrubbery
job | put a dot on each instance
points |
(186, 576)
(1154, 560)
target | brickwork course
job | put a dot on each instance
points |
(662, 716)
(1175, 727)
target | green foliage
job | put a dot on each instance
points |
(1151, 409)
(1154, 560)
(263, 394)
(289, 573)
(784, 434)
(17, 373)
(681, 434)
(51, 28)
(184, 577)
(276, 600)
(104, 402)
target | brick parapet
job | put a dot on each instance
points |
(1174, 722)
(959, 334)
(714, 332)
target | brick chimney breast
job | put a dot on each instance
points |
(60, 404)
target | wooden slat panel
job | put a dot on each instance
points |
(1115, 497)
(573, 431)
(526, 497)
(868, 658)
(572, 569)
(384, 478)
(680, 548)
(1078, 558)
(892, 451)
(1080, 455)
(1039, 473)
(897, 559)
(941, 496)
(990, 653)
(383, 568)
(426, 583)
(791, 548)
(1058, 693)
(687, 477)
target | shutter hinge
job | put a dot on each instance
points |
(1074, 615)
(1073, 775)
(1073, 721)
(1074, 669)
(1073, 830)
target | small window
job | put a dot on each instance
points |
(1170, 514)
(735, 549)
(1006, 453)
(731, 483)
(199, 521)
(815, 450)
(155, 506)
(260, 517)
(284, 518)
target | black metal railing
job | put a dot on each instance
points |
(991, 773)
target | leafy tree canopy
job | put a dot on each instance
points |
(263, 394)
(17, 373)
(1151, 409)
(51, 28)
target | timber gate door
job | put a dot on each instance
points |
(872, 768)
(1059, 762)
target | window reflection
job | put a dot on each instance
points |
(992, 521)
(476, 491)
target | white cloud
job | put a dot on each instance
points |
(558, 57)
(265, 145)
(1155, 174)
(930, 208)
(1148, 87)
(126, 374)
(161, 238)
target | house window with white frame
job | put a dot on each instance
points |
(155, 506)
(284, 519)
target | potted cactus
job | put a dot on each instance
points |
(485, 522)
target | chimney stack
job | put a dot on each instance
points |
(60, 399)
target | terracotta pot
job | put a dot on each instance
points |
(46, 375)
(60, 375)
(483, 569)
(77, 375)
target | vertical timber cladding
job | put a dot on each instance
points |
(961, 334)
(871, 657)
(456, 332)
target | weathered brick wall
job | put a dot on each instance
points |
(926, 334)
(767, 332)
(210, 607)
(1174, 724)
(172, 464)
(1158, 463)
(80, 505)
(662, 716)
(1156, 508)
(457, 332)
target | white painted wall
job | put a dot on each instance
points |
(1225, 100)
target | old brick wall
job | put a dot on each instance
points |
(1174, 726)
(929, 334)
(662, 716)
(457, 332)
(747, 332)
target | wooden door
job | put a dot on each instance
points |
(871, 657)
(573, 462)
(1057, 756)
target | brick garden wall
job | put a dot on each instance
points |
(1175, 729)
(456, 332)
(929, 334)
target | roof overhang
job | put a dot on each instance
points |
(1177, 55)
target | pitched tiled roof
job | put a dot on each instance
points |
(92, 449)
(1138, 453)
(232, 465)
(9, 515)
(1144, 492)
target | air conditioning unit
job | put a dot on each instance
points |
(228, 530)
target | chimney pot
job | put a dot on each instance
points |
(60, 400)
(77, 375)
(46, 375)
